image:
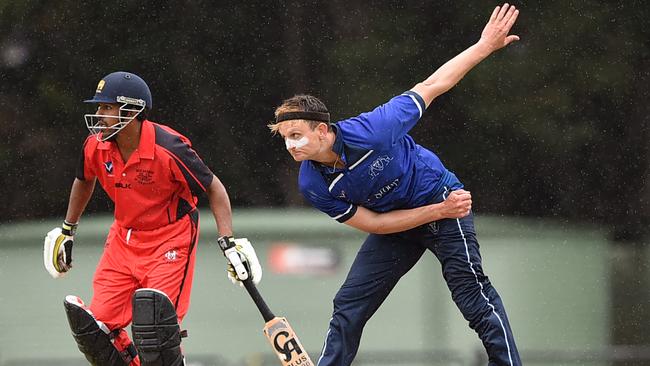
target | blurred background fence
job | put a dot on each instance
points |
(555, 278)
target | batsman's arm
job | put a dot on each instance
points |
(457, 205)
(220, 206)
(242, 260)
(494, 36)
(80, 194)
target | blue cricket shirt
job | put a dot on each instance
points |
(384, 168)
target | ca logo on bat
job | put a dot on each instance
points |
(286, 345)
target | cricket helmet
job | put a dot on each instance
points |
(124, 88)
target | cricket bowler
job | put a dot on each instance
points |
(368, 173)
(144, 276)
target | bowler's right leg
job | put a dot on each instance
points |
(380, 263)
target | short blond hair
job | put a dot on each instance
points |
(299, 103)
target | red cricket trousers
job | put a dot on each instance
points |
(162, 259)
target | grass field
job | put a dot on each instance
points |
(553, 278)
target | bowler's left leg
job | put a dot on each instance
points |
(457, 248)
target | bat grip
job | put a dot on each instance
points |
(267, 314)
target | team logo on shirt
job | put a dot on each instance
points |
(144, 176)
(171, 255)
(379, 165)
(108, 165)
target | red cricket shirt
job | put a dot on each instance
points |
(158, 185)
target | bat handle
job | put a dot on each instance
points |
(267, 314)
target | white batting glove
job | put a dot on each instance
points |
(242, 260)
(57, 249)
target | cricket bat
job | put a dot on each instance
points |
(277, 330)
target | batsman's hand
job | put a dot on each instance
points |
(242, 260)
(457, 205)
(57, 249)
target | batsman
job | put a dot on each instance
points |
(367, 172)
(144, 276)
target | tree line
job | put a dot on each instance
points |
(555, 125)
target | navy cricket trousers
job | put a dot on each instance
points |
(383, 259)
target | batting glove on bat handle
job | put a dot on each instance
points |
(57, 249)
(237, 264)
(247, 253)
(228, 246)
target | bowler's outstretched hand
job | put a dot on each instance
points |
(495, 34)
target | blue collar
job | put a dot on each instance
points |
(338, 146)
